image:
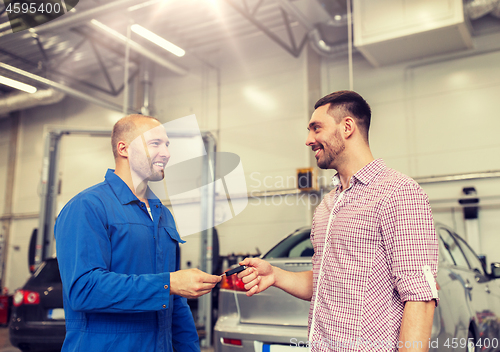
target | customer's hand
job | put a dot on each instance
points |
(258, 276)
(192, 283)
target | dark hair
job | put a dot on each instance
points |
(348, 103)
(124, 130)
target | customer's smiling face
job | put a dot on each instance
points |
(325, 138)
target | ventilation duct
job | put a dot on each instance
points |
(323, 48)
(321, 33)
(317, 31)
(479, 8)
(22, 101)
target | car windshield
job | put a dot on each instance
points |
(298, 244)
(47, 273)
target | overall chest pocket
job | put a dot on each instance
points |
(169, 244)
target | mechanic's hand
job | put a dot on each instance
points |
(192, 283)
(258, 276)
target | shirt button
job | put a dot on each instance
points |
(165, 287)
(164, 306)
(157, 205)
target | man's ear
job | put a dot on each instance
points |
(349, 126)
(122, 149)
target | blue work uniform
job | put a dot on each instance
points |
(115, 264)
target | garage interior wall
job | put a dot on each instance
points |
(432, 117)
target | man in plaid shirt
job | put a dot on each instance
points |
(372, 286)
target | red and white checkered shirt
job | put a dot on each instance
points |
(379, 251)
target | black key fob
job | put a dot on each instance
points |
(235, 270)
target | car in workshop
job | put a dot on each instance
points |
(466, 319)
(37, 320)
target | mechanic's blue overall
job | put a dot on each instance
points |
(115, 264)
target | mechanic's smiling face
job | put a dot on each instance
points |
(325, 138)
(148, 153)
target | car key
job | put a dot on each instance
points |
(235, 270)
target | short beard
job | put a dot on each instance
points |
(156, 176)
(337, 146)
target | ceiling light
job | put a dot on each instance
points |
(16, 84)
(165, 44)
(5, 25)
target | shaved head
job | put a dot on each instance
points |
(129, 127)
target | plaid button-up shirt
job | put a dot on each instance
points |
(375, 248)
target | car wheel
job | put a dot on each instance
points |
(471, 346)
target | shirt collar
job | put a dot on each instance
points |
(369, 171)
(365, 174)
(122, 190)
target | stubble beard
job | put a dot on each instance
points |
(156, 175)
(335, 147)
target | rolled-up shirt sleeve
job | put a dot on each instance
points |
(411, 243)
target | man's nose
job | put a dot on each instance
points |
(164, 152)
(310, 139)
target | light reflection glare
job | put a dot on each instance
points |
(459, 80)
(259, 98)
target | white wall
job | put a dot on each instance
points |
(5, 126)
(262, 118)
(437, 117)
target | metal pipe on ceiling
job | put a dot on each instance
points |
(146, 85)
(68, 90)
(479, 8)
(21, 100)
(459, 177)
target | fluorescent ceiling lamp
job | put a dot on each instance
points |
(165, 44)
(5, 25)
(18, 85)
(139, 48)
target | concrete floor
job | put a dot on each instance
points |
(5, 345)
